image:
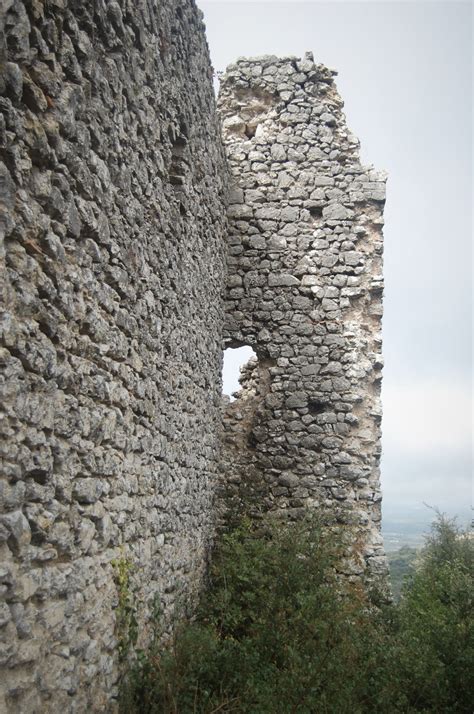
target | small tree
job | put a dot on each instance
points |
(434, 642)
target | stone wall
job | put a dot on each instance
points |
(305, 292)
(114, 239)
(112, 264)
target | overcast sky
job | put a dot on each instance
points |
(405, 74)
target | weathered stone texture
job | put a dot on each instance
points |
(113, 241)
(112, 224)
(305, 292)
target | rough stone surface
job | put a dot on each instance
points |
(112, 263)
(305, 292)
(114, 237)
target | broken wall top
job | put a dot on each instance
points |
(305, 291)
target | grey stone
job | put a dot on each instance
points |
(298, 399)
(18, 528)
(282, 280)
(312, 395)
(288, 479)
(278, 152)
(335, 212)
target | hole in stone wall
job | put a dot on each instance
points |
(39, 475)
(179, 164)
(316, 211)
(234, 359)
(179, 154)
(250, 130)
(316, 407)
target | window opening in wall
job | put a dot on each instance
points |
(234, 359)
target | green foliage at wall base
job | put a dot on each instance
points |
(280, 632)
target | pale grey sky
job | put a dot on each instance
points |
(405, 74)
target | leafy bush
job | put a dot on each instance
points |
(279, 631)
(433, 641)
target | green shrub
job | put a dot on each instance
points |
(433, 639)
(279, 631)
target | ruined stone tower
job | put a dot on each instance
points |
(304, 290)
(136, 241)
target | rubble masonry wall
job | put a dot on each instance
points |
(112, 222)
(305, 292)
(115, 246)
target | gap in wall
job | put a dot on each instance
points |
(234, 359)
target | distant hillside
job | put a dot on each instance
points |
(401, 563)
(409, 525)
